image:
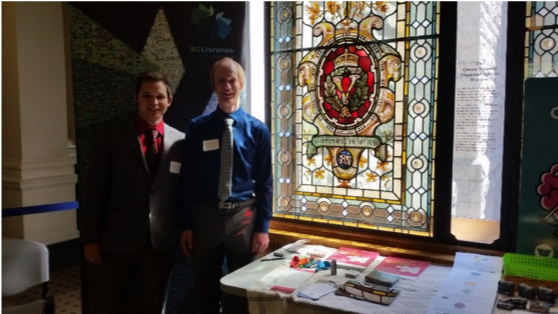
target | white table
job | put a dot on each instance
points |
(414, 297)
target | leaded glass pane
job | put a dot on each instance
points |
(542, 39)
(354, 103)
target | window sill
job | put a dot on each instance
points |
(386, 245)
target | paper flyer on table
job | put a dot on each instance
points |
(310, 250)
(450, 305)
(470, 286)
(469, 290)
(480, 276)
(294, 247)
(492, 264)
(318, 289)
(290, 280)
(405, 268)
(353, 258)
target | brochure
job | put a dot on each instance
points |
(318, 289)
(350, 258)
(405, 268)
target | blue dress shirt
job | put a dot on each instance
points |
(252, 170)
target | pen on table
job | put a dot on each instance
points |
(271, 259)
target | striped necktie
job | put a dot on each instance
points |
(225, 174)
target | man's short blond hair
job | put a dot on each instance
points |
(225, 60)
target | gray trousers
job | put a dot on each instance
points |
(220, 233)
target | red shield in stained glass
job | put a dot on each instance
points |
(347, 81)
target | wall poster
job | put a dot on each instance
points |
(479, 109)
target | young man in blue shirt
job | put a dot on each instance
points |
(233, 225)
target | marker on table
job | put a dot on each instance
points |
(271, 259)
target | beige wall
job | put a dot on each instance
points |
(36, 164)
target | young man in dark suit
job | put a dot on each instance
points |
(129, 221)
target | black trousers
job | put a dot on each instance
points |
(132, 282)
(220, 233)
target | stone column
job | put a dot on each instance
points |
(36, 166)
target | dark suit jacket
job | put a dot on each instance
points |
(124, 207)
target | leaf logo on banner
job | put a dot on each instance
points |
(218, 26)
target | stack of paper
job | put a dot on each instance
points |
(318, 289)
(290, 280)
(316, 251)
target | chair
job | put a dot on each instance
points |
(25, 265)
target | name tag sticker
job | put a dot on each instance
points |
(209, 145)
(175, 167)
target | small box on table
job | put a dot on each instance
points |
(381, 278)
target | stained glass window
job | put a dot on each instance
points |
(354, 112)
(541, 40)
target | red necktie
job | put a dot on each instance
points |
(151, 149)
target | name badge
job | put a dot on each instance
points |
(175, 167)
(209, 145)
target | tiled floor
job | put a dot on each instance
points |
(65, 286)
